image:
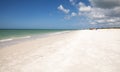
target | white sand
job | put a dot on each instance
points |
(76, 51)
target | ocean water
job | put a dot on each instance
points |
(15, 33)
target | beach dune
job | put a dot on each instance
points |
(74, 51)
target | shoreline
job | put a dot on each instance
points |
(16, 40)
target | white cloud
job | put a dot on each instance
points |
(111, 20)
(73, 14)
(93, 22)
(101, 21)
(68, 17)
(73, 2)
(83, 8)
(96, 13)
(61, 8)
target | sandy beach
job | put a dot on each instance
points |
(75, 51)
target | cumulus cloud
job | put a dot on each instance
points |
(61, 8)
(83, 8)
(73, 14)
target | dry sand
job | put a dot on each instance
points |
(76, 51)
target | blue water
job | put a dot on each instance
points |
(7, 34)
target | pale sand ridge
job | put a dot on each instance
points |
(75, 51)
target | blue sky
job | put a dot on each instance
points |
(48, 14)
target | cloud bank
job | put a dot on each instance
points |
(105, 3)
(98, 12)
(105, 11)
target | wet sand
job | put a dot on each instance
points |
(75, 51)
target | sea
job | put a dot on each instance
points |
(12, 34)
